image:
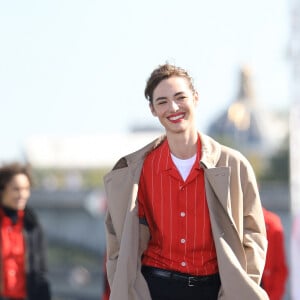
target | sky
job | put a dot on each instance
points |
(79, 67)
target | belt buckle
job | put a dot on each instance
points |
(190, 281)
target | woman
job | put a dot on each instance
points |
(184, 217)
(22, 252)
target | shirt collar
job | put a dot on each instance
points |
(169, 164)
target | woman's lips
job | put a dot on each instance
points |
(175, 118)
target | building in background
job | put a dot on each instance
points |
(246, 125)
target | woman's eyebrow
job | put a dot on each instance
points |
(179, 93)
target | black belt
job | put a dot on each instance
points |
(185, 278)
(5, 298)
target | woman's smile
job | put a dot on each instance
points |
(175, 118)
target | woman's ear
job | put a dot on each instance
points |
(152, 109)
(196, 98)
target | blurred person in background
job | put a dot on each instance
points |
(184, 216)
(22, 248)
(276, 271)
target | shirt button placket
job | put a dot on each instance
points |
(182, 216)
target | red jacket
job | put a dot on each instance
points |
(276, 271)
(13, 282)
(37, 284)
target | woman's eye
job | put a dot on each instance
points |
(181, 98)
(161, 102)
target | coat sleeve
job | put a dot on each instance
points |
(112, 248)
(254, 230)
(114, 196)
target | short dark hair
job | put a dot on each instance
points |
(8, 171)
(163, 72)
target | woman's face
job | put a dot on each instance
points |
(174, 103)
(16, 192)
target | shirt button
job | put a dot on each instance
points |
(12, 272)
(183, 264)
(182, 241)
(182, 214)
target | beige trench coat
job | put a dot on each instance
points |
(236, 217)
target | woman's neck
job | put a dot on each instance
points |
(183, 146)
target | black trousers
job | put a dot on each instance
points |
(163, 288)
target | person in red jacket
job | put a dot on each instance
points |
(276, 270)
(22, 250)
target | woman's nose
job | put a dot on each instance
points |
(174, 106)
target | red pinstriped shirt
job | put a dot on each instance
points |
(177, 214)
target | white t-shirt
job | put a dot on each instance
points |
(184, 166)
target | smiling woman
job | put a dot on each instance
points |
(183, 211)
(22, 253)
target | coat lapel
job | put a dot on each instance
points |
(218, 179)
